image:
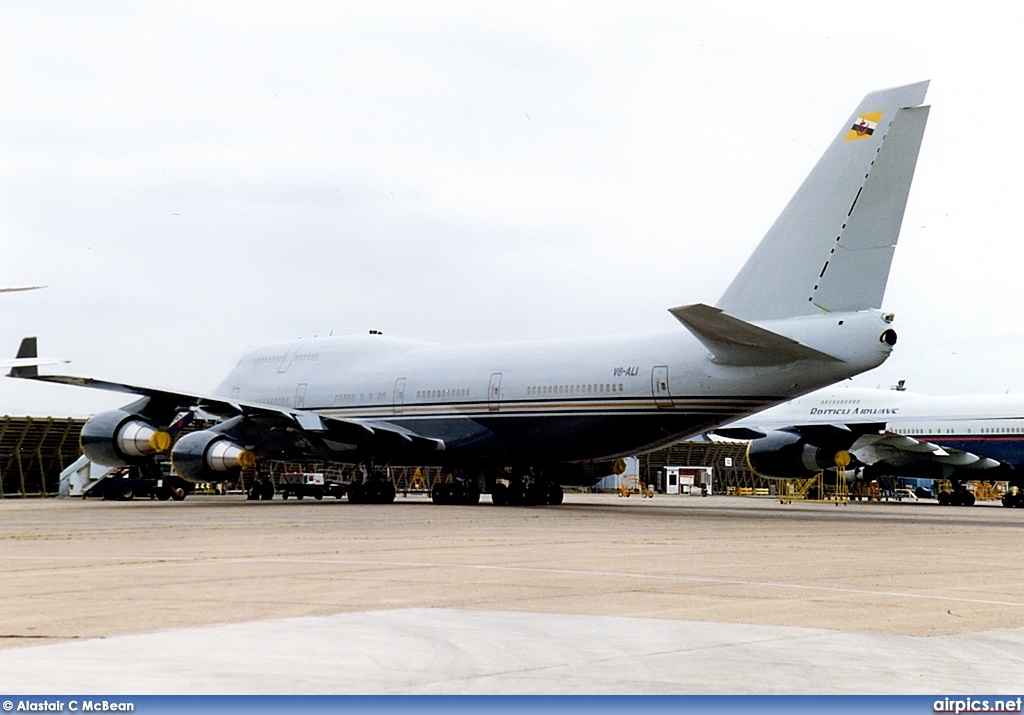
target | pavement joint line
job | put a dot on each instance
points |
(522, 569)
(739, 643)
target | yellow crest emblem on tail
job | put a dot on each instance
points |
(863, 127)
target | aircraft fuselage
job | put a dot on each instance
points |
(548, 400)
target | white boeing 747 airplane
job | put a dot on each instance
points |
(519, 419)
(891, 433)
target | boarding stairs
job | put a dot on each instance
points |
(77, 479)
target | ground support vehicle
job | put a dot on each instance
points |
(128, 483)
(309, 484)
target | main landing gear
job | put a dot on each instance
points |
(261, 490)
(518, 492)
(958, 497)
(459, 492)
(376, 489)
(1014, 498)
(372, 491)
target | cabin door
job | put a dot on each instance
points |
(399, 395)
(659, 386)
(494, 392)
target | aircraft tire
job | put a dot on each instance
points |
(535, 494)
(448, 494)
(355, 493)
(438, 494)
(555, 494)
(267, 491)
(387, 493)
(516, 494)
(944, 499)
(499, 495)
(471, 494)
(967, 499)
(253, 494)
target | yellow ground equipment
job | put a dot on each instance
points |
(816, 488)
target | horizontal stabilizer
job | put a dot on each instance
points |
(736, 342)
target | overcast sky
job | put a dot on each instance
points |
(193, 180)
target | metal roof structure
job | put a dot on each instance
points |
(729, 460)
(34, 451)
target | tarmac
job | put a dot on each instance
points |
(600, 595)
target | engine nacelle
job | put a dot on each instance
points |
(785, 455)
(585, 474)
(118, 438)
(209, 456)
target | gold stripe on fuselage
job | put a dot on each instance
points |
(548, 408)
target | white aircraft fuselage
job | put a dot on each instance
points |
(547, 400)
(989, 426)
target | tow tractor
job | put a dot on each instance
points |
(128, 483)
(1014, 497)
(308, 484)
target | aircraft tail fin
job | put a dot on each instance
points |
(27, 362)
(28, 349)
(832, 246)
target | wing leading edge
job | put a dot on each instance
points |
(336, 433)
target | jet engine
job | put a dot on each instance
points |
(209, 456)
(585, 474)
(787, 455)
(118, 438)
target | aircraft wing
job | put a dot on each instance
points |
(18, 289)
(906, 453)
(873, 445)
(330, 433)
